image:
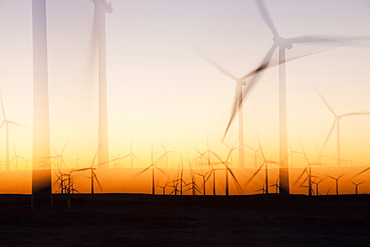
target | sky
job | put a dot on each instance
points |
(161, 91)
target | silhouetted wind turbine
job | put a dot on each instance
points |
(276, 185)
(205, 178)
(309, 173)
(336, 123)
(264, 163)
(356, 185)
(227, 171)
(336, 182)
(282, 44)
(317, 185)
(99, 40)
(163, 188)
(153, 166)
(6, 123)
(93, 176)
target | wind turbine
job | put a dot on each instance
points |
(41, 178)
(336, 182)
(282, 44)
(59, 157)
(166, 154)
(16, 157)
(231, 155)
(93, 176)
(307, 170)
(99, 40)
(336, 123)
(132, 156)
(276, 185)
(227, 171)
(153, 166)
(205, 178)
(317, 185)
(265, 163)
(356, 185)
(255, 155)
(6, 123)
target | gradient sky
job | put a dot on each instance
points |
(159, 90)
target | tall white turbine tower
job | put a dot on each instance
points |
(282, 44)
(102, 7)
(41, 175)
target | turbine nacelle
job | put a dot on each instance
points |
(282, 42)
(241, 82)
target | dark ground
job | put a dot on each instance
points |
(144, 220)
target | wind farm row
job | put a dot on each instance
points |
(53, 167)
(204, 174)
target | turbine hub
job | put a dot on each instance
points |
(282, 42)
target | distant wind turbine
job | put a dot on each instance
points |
(93, 176)
(356, 185)
(336, 182)
(6, 123)
(153, 166)
(336, 123)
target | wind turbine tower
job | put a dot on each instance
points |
(102, 7)
(41, 175)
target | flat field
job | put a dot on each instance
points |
(145, 220)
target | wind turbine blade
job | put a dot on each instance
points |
(96, 154)
(216, 65)
(159, 169)
(2, 124)
(326, 103)
(238, 186)
(362, 172)
(331, 40)
(341, 175)
(18, 124)
(254, 174)
(64, 148)
(355, 114)
(249, 87)
(305, 155)
(264, 64)
(163, 146)
(299, 177)
(97, 181)
(328, 137)
(143, 171)
(83, 169)
(262, 153)
(266, 17)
